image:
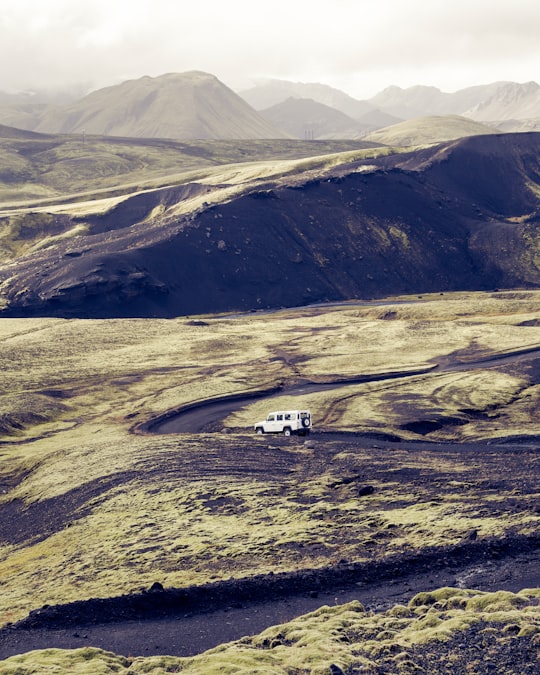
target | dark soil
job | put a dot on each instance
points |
(341, 235)
(476, 650)
(189, 620)
(183, 622)
(186, 621)
(21, 522)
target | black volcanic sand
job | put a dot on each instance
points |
(201, 626)
(347, 233)
(190, 620)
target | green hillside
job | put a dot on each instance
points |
(38, 166)
(427, 130)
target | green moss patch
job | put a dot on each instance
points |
(443, 627)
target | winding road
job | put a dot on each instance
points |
(206, 415)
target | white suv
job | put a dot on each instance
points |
(286, 422)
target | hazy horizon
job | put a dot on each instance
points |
(358, 46)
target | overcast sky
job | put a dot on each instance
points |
(359, 46)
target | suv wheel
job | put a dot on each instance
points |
(259, 430)
(287, 431)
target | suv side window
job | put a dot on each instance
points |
(270, 418)
(279, 417)
(288, 416)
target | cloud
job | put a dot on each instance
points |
(358, 45)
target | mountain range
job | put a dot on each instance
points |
(196, 105)
(487, 103)
(494, 104)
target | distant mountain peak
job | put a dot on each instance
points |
(510, 100)
(273, 92)
(190, 105)
(496, 101)
(189, 75)
(196, 105)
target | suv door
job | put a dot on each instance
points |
(272, 424)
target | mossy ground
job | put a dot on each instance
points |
(92, 510)
(445, 631)
(54, 166)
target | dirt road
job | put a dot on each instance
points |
(206, 415)
(193, 631)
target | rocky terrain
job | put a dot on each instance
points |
(378, 614)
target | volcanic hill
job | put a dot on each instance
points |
(192, 105)
(461, 215)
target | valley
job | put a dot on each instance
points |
(393, 291)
